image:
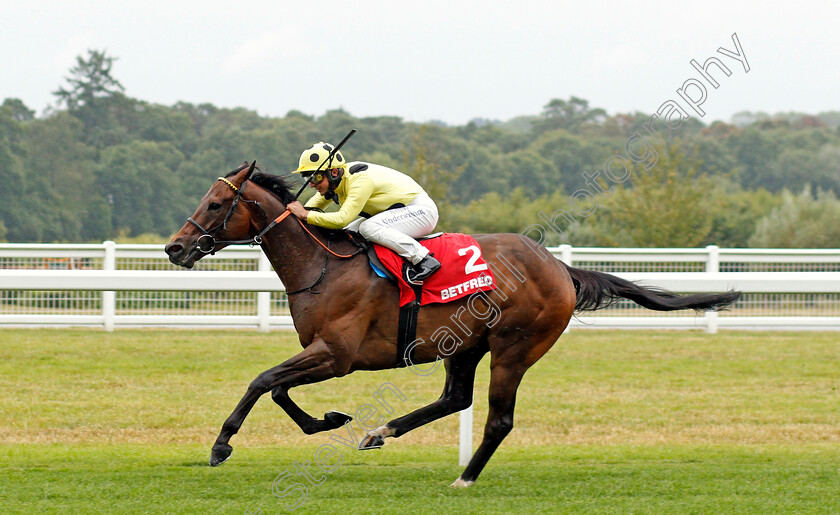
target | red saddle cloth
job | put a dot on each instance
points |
(463, 270)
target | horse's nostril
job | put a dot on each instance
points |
(173, 249)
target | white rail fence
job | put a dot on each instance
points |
(111, 285)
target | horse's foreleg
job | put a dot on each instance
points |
(313, 364)
(307, 423)
(457, 395)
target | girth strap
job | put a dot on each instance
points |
(407, 328)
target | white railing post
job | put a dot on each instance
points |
(109, 298)
(566, 257)
(264, 297)
(566, 254)
(713, 260)
(466, 433)
(712, 267)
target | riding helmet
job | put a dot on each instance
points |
(315, 157)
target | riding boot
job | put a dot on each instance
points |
(419, 272)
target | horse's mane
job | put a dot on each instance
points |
(276, 184)
(280, 186)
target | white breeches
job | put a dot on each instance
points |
(398, 228)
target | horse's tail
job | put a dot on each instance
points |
(596, 290)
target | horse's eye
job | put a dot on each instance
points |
(214, 206)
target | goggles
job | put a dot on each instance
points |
(316, 177)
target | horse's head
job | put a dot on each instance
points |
(217, 221)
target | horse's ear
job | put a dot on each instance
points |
(250, 169)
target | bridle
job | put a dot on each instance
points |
(206, 243)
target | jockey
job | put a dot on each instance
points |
(394, 209)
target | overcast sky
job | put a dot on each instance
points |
(451, 61)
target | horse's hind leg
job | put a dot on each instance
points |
(457, 395)
(503, 384)
(315, 363)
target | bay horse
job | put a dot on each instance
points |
(345, 315)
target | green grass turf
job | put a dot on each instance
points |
(133, 478)
(607, 421)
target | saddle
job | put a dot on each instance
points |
(376, 264)
(463, 272)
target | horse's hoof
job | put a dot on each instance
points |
(220, 454)
(337, 419)
(371, 442)
(460, 483)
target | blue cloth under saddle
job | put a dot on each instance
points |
(378, 272)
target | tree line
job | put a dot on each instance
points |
(102, 165)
